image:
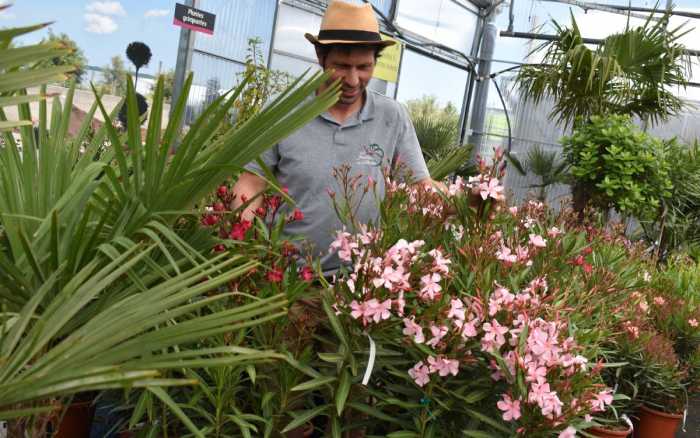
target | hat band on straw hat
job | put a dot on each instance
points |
(349, 35)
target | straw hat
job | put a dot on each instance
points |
(345, 23)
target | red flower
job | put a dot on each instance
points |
(298, 215)
(238, 230)
(219, 206)
(275, 275)
(587, 250)
(210, 219)
(260, 211)
(219, 248)
(273, 202)
(244, 199)
(285, 190)
(222, 191)
(306, 273)
(587, 268)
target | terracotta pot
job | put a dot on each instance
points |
(609, 433)
(656, 424)
(76, 421)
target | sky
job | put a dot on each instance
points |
(103, 29)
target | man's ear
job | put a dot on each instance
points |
(321, 58)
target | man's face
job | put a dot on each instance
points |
(354, 68)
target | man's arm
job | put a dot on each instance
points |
(248, 187)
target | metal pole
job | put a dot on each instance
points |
(184, 60)
(478, 121)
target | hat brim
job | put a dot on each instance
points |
(383, 43)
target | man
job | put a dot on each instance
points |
(364, 129)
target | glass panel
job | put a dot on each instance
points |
(292, 24)
(293, 66)
(236, 22)
(212, 77)
(415, 68)
(442, 21)
(456, 27)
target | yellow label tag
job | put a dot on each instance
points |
(387, 67)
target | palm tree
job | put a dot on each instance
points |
(105, 279)
(632, 73)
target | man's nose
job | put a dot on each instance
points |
(352, 79)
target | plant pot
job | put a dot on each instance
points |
(609, 433)
(76, 422)
(656, 424)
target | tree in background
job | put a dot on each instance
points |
(114, 77)
(263, 84)
(74, 57)
(168, 83)
(437, 129)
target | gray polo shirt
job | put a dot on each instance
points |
(378, 136)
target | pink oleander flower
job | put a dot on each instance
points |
(513, 210)
(456, 309)
(438, 333)
(411, 328)
(390, 278)
(659, 301)
(344, 246)
(443, 366)
(601, 400)
(430, 286)
(693, 322)
(439, 262)
(510, 408)
(469, 329)
(523, 255)
(359, 310)
(554, 232)
(505, 255)
(537, 241)
(493, 336)
(492, 189)
(380, 310)
(420, 374)
(644, 306)
(569, 432)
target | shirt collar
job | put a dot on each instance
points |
(366, 112)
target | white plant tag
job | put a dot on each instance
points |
(370, 361)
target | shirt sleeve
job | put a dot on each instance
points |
(408, 152)
(270, 157)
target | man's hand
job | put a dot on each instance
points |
(429, 182)
(247, 187)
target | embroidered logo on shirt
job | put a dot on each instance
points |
(372, 155)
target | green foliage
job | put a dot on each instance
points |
(678, 228)
(261, 83)
(632, 73)
(168, 84)
(548, 166)
(74, 57)
(437, 130)
(105, 277)
(620, 166)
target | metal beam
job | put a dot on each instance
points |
(545, 37)
(598, 6)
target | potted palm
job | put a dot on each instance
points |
(104, 282)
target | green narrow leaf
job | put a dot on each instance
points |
(165, 398)
(342, 391)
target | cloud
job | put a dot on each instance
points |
(106, 8)
(156, 13)
(101, 24)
